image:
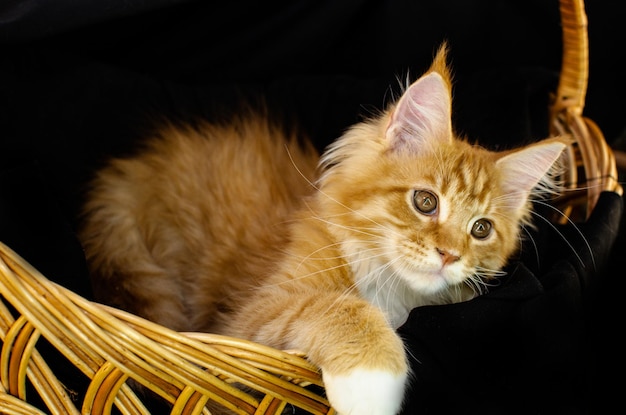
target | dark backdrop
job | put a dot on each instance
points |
(81, 81)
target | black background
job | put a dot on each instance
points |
(81, 81)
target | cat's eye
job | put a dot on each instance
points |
(425, 202)
(481, 228)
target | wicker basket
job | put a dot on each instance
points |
(108, 346)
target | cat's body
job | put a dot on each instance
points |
(168, 259)
(231, 229)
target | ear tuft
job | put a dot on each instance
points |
(422, 116)
(440, 64)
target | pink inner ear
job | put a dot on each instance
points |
(522, 170)
(422, 115)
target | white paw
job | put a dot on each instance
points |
(365, 392)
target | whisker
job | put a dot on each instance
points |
(532, 240)
(376, 275)
(554, 227)
(320, 271)
(318, 189)
(350, 228)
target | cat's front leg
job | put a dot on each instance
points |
(361, 357)
(374, 384)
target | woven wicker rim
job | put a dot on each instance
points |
(109, 346)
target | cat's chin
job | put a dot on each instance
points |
(430, 283)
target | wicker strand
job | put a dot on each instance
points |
(12, 405)
(51, 391)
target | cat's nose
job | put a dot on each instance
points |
(447, 257)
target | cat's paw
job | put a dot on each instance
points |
(365, 392)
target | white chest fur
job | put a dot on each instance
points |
(383, 286)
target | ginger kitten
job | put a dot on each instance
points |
(241, 229)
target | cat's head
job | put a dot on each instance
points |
(421, 203)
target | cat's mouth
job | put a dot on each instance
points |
(435, 276)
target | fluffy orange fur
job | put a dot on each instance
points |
(242, 230)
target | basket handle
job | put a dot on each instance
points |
(590, 166)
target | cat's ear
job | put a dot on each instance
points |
(422, 116)
(524, 169)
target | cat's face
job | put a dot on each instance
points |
(423, 205)
(453, 222)
(434, 220)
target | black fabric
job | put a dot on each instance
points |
(81, 81)
(525, 347)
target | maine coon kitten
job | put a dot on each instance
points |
(240, 229)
